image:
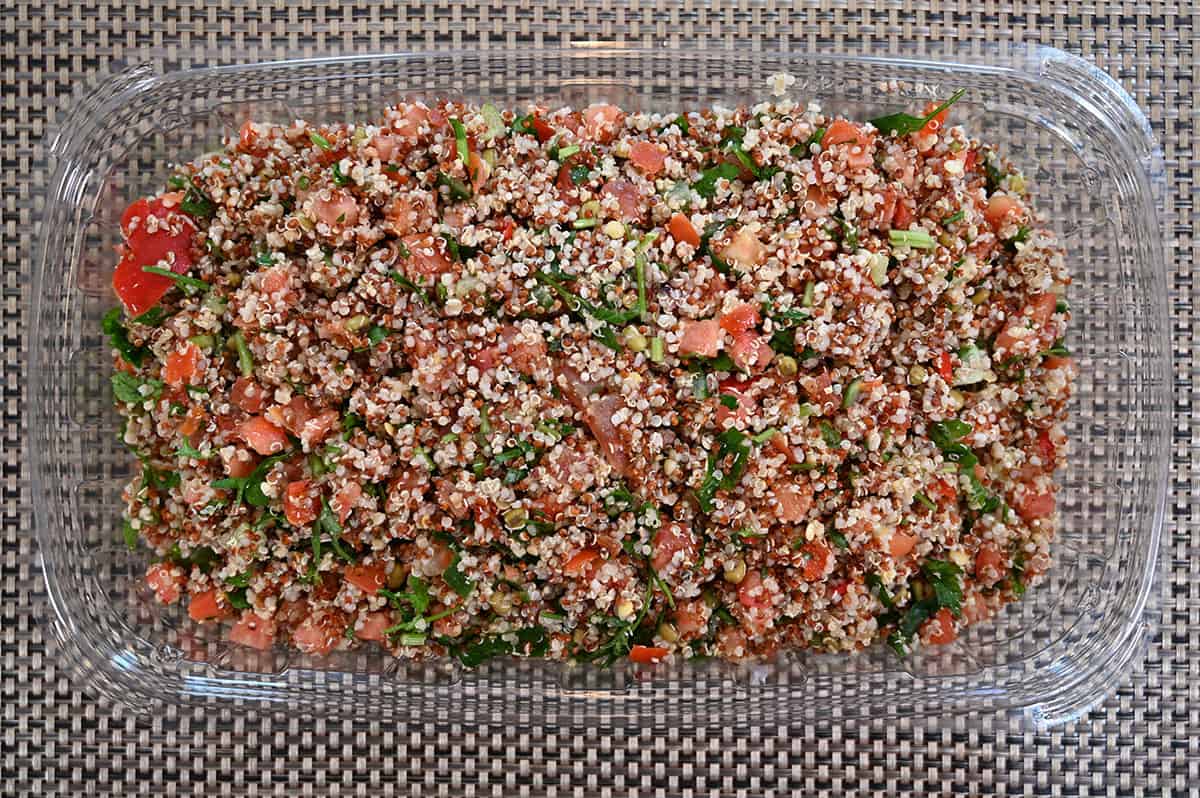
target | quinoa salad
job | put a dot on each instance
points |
(592, 384)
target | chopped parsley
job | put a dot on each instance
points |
(118, 337)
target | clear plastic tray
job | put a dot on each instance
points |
(1094, 169)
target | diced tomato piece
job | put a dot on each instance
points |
(647, 157)
(248, 395)
(276, 280)
(374, 626)
(901, 543)
(166, 580)
(1025, 326)
(1054, 362)
(817, 560)
(690, 618)
(745, 408)
(942, 491)
(598, 417)
(367, 578)
(427, 255)
(751, 352)
(999, 208)
(939, 629)
(313, 637)
(753, 593)
(674, 547)
(510, 227)
(528, 355)
(647, 655)
(300, 506)
(601, 122)
(479, 170)
(1045, 447)
(841, 131)
(339, 210)
(902, 216)
(629, 199)
(411, 120)
(344, 500)
(579, 562)
(303, 420)
(204, 606)
(744, 249)
(1032, 506)
(742, 318)
(945, 366)
(794, 502)
(248, 138)
(681, 229)
(936, 122)
(542, 129)
(989, 565)
(180, 368)
(263, 436)
(240, 463)
(193, 421)
(157, 233)
(253, 631)
(701, 338)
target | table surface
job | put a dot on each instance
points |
(56, 740)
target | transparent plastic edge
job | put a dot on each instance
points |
(1034, 62)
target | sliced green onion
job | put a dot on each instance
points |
(460, 141)
(566, 152)
(320, 141)
(583, 224)
(765, 436)
(412, 639)
(245, 359)
(495, 122)
(656, 349)
(807, 299)
(917, 239)
(852, 392)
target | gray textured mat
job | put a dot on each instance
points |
(54, 740)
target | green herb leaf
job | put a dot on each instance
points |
(580, 174)
(128, 388)
(319, 140)
(458, 189)
(376, 334)
(945, 433)
(903, 124)
(706, 186)
(187, 450)
(189, 284)
(830, 435)
(237, 599)
(459, 583)
(339, 179)
(129, 534)
(118, 337)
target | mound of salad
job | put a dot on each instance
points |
(592, 384)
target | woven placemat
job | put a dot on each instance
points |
(56, 740)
